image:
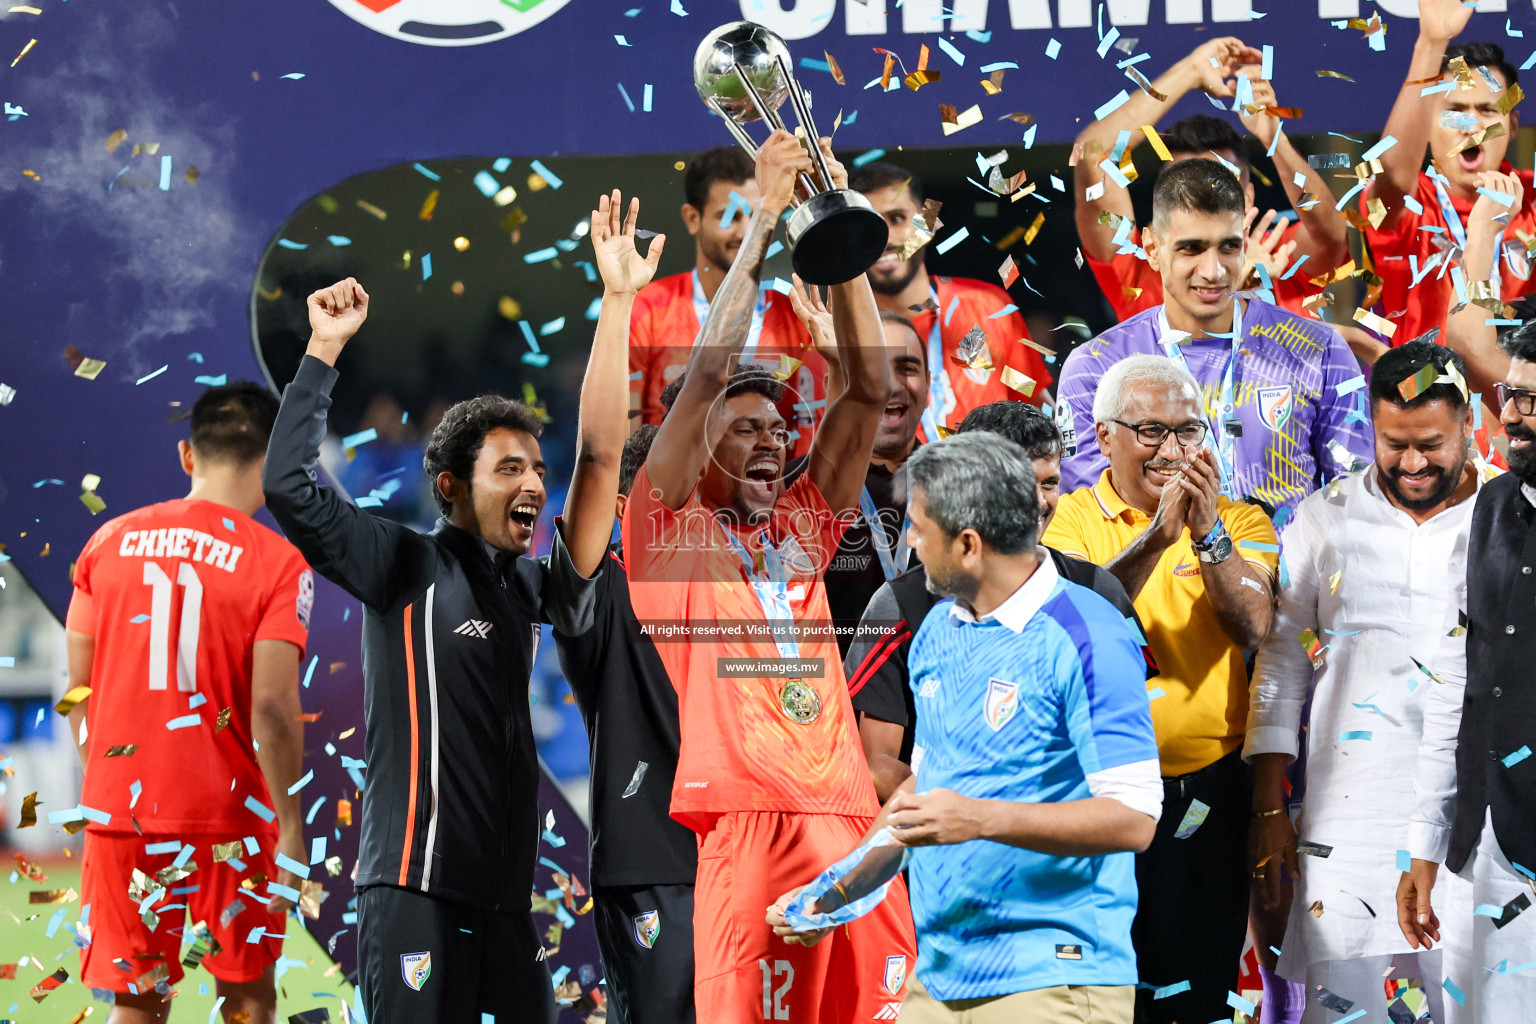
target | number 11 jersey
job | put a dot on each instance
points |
(176, 596)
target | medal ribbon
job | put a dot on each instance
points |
(1225, 444)
(941, 395)
(701, 310)
(771, 587)
(891, 564)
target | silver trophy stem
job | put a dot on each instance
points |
(775, 122)
(803, 116)
(737, 130)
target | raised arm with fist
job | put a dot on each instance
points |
(335, 314)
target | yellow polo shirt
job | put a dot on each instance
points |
(1202, 712)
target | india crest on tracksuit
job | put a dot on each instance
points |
(895, 974)
(1275, 406)
(416, 968)
(647, 927)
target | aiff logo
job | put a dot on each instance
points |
(416, 968)
(647, 927)
(449, 22)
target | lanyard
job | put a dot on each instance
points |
(891, 564)
(701, 309)
(941, 395)
(771, 587)
(1459, 233)
(1225, 442)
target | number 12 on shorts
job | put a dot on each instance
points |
(773, 998)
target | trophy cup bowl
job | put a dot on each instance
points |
(742, 73)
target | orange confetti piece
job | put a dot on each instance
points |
(837, 71)
(885, 75)
(114, 140)
(428, 206)
(922, 58)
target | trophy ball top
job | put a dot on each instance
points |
(756, 49)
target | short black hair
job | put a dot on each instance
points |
(1520, 342)
(874, 176)
(888, 317)
(746, 379)
(1019, 422)
(1199, 185)
(231, 423)
(727, 163)
(1201, 134)
(636, 447)
(1398, 364)
(1478, 54)
(459, 436)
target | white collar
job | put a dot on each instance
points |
(1529, 492)
(1023, 603)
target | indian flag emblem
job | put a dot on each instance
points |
(416, 968)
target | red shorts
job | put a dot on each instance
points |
(211, 894)
(744, 974)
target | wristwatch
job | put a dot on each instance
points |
(1216, 546)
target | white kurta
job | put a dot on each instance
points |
(1396, 597)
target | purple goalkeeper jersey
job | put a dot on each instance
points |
(1301, 409)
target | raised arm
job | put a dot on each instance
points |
(687, 437)
(1098, 140)
(1467, 331)
(1440, 21)
(601, 424)
(279, 734)
(1323, 232)
(372, 559)
(846, 436)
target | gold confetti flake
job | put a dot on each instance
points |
(1335, 580)
(346, 734)
(24, 51)
(146, 148)
(514, 220)
(193, 174)
(31, 174)
(1338, 273)
(1376, 212)
(333, 866)
(837, 71)
(917, 79)
(679, 165)
(430, 205)
(925, 224)
(1158, 145)
(92, 502)
(114, 140)
(24, 10)
(1317, 908)
(227, 851)
(41, 896)
(944, 431)
(122, 750)
(90, 368)
(223, 720)
(1011, 237)
(1033, 230)
(993, 83)
(1370, 321)
(67, 703)
(1334, 74)
(367, 207)
(461, 243)
(1017, 381)
(963, 120)
(77, 1018)
(1493, 131)
(1018, 115)
(1512, 96)
(785, 370)
(505, 197)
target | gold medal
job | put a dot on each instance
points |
(800, 701)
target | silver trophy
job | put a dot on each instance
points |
(742, 73)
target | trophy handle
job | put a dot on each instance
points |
(737, 130)
(774, 121)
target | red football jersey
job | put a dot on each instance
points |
(176, 596)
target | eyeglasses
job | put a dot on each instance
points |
(1154, 434)
(1525, 401)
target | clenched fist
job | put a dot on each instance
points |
(335, 314)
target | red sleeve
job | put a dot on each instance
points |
(1402, 237)
(291, 599)
(1129, 283)
(805, 512)
(650, 532)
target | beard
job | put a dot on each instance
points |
(957, 585)
(1445, 485)
(1522, 461)
(895, 284)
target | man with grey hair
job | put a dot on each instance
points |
(1156, 519)
(1036, 766)
(1282, 396)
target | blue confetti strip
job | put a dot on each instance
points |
(261, 811)
(317, 850)
(314, 809)
(950, 51)
(287, 244)
(309, 672)
(1517, 757)
(1052, 49)
(541, 255)
(555, 181)
(868, 158)
(306, 780)
(426, 266)
(425, 172)
(1404, 861)
(625, 93)
(1355, 734)
(165, 174)
(645, 100)
(153, 375)
(339, 241)
(487, 185)
(185, 721)
(289, 864)
(997, 65)
(361, 437)
(213, 382)
(1111, 106)
(952, 241)
(1452, 991)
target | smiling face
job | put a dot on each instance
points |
(501, 501)
(1421, 452)
(909, 392)
(1521, 430)
(1481, 103)
(719, 244)
(1139, 472)
(746, 472)
(943, 558)
(1047, 487)
(891, 274)
(1200, 258)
